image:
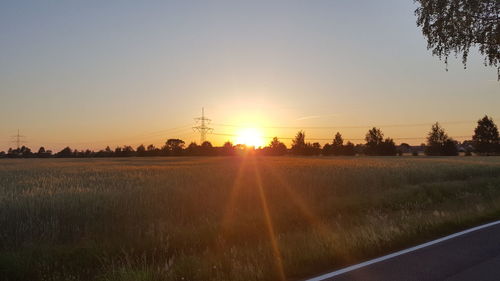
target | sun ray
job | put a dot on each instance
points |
(229, 210)
(298, 201)
(269, 223)
(324, 230)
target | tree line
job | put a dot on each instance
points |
(485, 141)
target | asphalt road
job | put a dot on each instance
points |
(471, 256)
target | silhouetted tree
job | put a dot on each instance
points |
(299, 146)
(337, 144)
(338, 140)
(327, 149)
(359, 148)
(141, 150)
(435, 140)
(228, 149)
(89, 153)
(373, 138)
(313, 149)
(438, 142)
(405, 148)
(376, 145)
(107, 152)
(151, 150)
(42, 153)
(388, 148)
(65, 152)
(337, 147)
(275, 147)
(348, 149)
(127, 151)
(485, 139)
(206, 148)
(174, 146)
(193, 149)
(12, 153)
(456, 26)
(450, 148)
(25, 151)
(79, 154)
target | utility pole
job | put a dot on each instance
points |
(203, 126)
(18, 139)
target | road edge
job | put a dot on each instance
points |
(399, 253)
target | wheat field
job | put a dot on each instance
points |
(229, 218)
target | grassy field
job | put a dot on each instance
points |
(232, 218)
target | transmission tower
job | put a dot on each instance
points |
(18, 139)
(202, 126)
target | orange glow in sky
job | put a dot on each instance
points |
(146, 71)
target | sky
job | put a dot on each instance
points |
(93, 73)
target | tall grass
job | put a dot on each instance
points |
(229, 218)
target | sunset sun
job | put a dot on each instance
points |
(250, 137)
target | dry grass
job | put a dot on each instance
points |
(229, 218)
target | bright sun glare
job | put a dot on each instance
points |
(250, 137)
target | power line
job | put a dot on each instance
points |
(144, 136)
(346, 127)
(203, 127)
(329, 139)
(169, 131)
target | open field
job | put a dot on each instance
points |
(233, 218)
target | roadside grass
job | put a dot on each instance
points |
(234, 218)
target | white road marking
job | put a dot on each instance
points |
(402, 252)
